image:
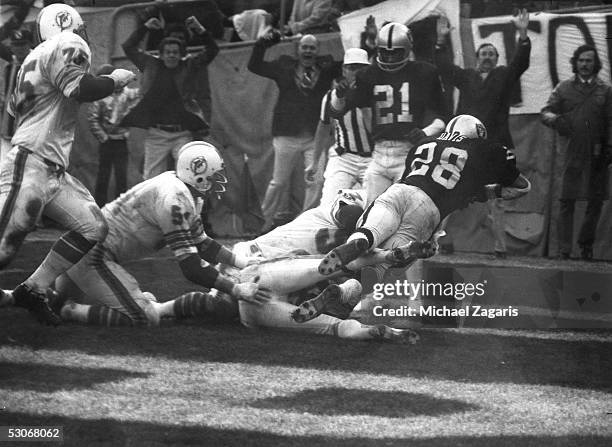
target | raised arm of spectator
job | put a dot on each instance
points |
(21, 12)
(94, 115)
(131, 46)
(211, 49)
(257, 64)
(443, 57)
(319, 14)
(436, 111)
(520, 60)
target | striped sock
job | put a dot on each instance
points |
(67, 251)
(193, 304)
(105, 316)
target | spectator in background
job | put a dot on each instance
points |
(172, 15)
(309, 16)
(352, 149)
(104, 117)
(301, 82)
(20, 45)
(580, 109)
(485, 92)
(170, 87)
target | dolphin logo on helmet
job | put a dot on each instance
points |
(56, 18)
(200, 166)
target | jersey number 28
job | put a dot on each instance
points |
(447, 171)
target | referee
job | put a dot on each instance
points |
(352, 150)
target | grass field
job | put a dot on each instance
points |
(204, 384)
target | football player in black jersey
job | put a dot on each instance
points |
(441, 175)
(407, 105)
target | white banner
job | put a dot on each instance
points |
(554, 37)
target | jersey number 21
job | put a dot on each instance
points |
(388, 111)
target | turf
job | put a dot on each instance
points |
(206, 384)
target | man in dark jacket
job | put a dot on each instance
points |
(486, 93)
(170, 85)
(301, 82)
(580, 109)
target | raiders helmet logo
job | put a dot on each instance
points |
(63, 19)
(198, 165)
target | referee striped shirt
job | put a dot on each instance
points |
(351, 131)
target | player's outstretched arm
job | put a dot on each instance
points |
(91, 88)
(213, 252)
(198, 271)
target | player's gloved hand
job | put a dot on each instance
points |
(416, 135)
(249, 292)
(121, 77)
(563, 126)
(342, 87)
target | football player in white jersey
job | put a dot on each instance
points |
(292, 253)
(164, 210)
(51, 84)
(315, 231)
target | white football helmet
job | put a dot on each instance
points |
(57, 17)
(347, 207)
(394, 46)
(200, 166)
(465, 127)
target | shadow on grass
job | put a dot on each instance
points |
(109, 432)
(440, 355)
(342, 401)
(48, 378)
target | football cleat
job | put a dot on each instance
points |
(335, 300)
(56, 300)
(342, 255)
(37, 303)
(401, 336)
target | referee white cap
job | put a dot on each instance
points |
(356, 56)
